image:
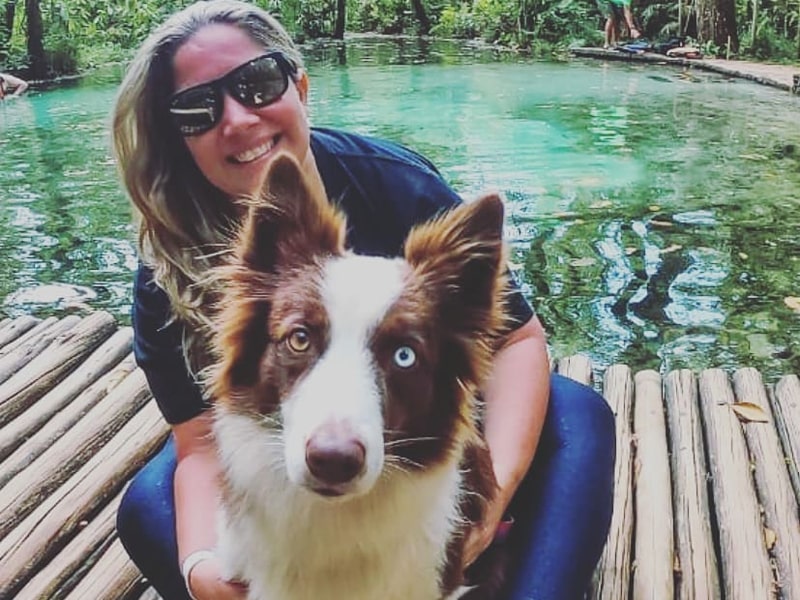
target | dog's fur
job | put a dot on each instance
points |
(345, 391)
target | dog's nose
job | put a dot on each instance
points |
(335, 455)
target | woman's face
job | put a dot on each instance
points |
(234, 154)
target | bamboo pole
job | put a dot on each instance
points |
(612, 577)
(65, 352)
(38, 440)
(27, 347)
(57, 518)
(150, 594)
(59, 401)
(697, 563)
(653, 577)
(577, 367)
(773, 483)
(14, 328)
(745, 565)
(28, 488)
(31, 333)
(61, 574)
(785, 399)
(114, 576)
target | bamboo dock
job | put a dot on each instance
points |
(706, 502)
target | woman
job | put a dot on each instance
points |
(9, 82)
(209, 98)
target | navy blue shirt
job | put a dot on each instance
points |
(383, 188)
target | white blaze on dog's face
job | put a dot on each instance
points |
(333, 417)
(361, 366)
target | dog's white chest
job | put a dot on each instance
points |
(291, 545)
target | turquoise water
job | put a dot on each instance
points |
(652, 213)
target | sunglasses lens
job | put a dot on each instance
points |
(196, 110)
(259, 83)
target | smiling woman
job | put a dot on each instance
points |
(209, 100)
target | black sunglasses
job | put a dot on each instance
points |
(254, 84)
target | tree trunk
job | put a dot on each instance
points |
(422, 17)
(716, 22)
(8, 22)
(341, 18)
(38, 64)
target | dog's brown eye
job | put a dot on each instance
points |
(299, 340)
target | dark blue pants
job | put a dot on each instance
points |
(562, 509)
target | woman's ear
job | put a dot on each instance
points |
(302, 86)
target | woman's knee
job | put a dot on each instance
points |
(582, 417)
(147, 506)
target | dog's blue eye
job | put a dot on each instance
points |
(299, 340)
(405, 357)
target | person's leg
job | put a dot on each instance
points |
(563, 507)
(609, 33)
(633, 32)
(146, 524)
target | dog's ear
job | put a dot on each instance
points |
(291, 222)
(461, 253)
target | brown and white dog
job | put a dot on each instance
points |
(346, 395)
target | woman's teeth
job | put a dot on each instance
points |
(251, 155)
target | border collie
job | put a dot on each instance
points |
(346, 394)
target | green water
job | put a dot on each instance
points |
(652, 213)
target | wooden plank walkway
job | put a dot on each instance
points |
(773, 75)
(707, 473)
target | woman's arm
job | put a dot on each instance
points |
(19, 85)
(196, 506)
(516, 403)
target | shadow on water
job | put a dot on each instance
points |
(652, 213)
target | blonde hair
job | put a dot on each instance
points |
(184, 222)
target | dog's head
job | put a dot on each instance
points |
(357, 366)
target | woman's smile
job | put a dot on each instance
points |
(253, 154)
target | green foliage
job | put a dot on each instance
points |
(314, 18)
(457, 21)
(769, 45)
(83, 33)
(381, 16)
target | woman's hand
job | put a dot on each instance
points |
(206, 583)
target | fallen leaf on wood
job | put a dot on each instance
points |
(749, 412)
(769, 538)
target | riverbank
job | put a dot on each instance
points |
(779, 76)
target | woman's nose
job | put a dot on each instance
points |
(236, 115)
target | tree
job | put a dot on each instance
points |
(716, 22)
(422, 17)
(8, 22)
(38, 63)
(341, 17)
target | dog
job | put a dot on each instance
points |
(346, 392)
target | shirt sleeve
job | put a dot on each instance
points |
(157, 347)
(396, 188)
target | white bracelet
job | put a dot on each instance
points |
(190, 562)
